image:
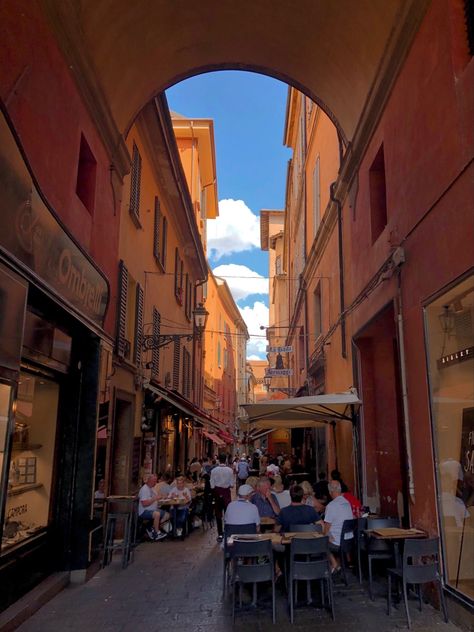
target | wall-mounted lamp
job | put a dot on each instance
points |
(200, 315)
(446, 319)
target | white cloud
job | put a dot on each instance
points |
(241, 280)
(254, 318)
(235, 230)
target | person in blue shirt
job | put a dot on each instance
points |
(265, 500)
(297, 512)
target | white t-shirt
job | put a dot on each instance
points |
(146, 493)
(273, 470)
(336, 512)
(241, 512)
(222, 476)
(183, 494)
(284, 498)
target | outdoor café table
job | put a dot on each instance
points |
(395, 536)
(276, 538)
(173, 502)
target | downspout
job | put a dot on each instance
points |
(403, 380)
(305, 236)
(337, 202)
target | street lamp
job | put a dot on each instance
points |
(200, 315)
(267, 380)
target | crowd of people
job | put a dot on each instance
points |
(265, 487)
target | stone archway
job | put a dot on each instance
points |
(343, 55)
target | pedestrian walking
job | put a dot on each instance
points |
(242, 472)
(222, 481)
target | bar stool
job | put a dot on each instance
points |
(121, 515)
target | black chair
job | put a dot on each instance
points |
(231, 529)
(309, 561)
(420, 565)
(252, 564)
(378, 549)
(346, 546)
(306, 528)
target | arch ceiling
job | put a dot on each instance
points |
(336, 52)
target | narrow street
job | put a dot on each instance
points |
(178, 586)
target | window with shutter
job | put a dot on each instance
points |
(176, 359)
(135, 182)
(138, 324)
(316, 198)
(122, 343)
(176, 271)
(178, 277)
(186, 373)
(156, 232)
(155, 354)
(164, 239)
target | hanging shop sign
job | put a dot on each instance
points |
(31, 233)
(287, 349)
(278, 372)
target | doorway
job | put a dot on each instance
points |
(122, 444)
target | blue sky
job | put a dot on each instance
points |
(249, 114)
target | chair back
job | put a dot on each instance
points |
(421, 560)
(361, 537)
(381, 546)
(309, 558)
(305, 528)
(348, 526)
(231, 529)
(252, 568)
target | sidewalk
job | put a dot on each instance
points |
(175, 586)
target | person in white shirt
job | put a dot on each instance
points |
(282, 495)
(181, 492)
(337, 511)
(242, 511)
(273, 469)
(148, 507)
(222, 481)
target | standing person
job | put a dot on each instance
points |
(195, 468)
(148, 507)
(242, 472)
(273, 469)
(222, 480)
(338, 510)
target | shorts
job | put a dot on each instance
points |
(147, 514)
(334, 548)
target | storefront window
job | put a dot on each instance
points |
(30, 472)
(450, 338)
(5, 394)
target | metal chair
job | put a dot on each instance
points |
(121, 515)
(361, 544)
(420, 565)
(252, 564)
(378, 549)
(306, 528)
(231, 529)
(347, 544)
(309, 561)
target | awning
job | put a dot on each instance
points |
(258, 434)
(228, 438)
(185, 405)
(213, 438)
(303, 412)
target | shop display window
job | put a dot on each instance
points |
(450, 343)
(5, 395)
(30, 471)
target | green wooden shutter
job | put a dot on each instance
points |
(122, 310)
(139, 304)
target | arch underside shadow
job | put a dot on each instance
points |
(125, 52)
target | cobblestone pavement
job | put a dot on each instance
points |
(177, 585)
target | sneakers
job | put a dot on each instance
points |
(160, 536)
(220, 538)
(151, 533)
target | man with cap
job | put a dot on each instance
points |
(242, 511)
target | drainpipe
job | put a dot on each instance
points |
(337, 202)
(403, 379)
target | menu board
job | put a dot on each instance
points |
(467, 456)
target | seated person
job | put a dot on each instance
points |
(180, 513)
(163, 487)
(355, 504)
(242, 511)
(298, 512)
(321, 488)
(336, 476)
(309, 497)
(282, 495)
(265, 501)
(252, 481)
(148, 507)
(338, 510)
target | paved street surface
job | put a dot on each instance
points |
(178, 586)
